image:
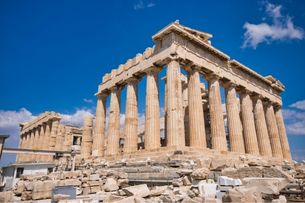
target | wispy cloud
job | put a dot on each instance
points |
(295, 119)
(280, 27)
(298, 105)
(141, 4)
(89, 101)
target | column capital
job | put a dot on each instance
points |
(115, 88)
(245, 91)
(212, 77)
(229, 84)
(153, 70)
(256, 97)
(132, 80)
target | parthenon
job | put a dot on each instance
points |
(193, 115)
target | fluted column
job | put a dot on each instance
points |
(131, 117)
(218, 135)
(282, 133)
(273, 132)
(46, 141)
(261, 128)
(250, 139)
(234, 122)
(19, 157)
(152, 112)
(54, 130)
(86, 146)
(40, 141)
(114, 122)
(59, 142)
(197, 133)
(99, 135)
(175, 118)
(35, 143)
(27, 145)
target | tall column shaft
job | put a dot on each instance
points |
(273, 132)
(40, 142)
(46, 141)
(175, 117)
(54, 130)
(131, 117)
(218, 135)
(152, 112)
(35, 143)
(99, 135)
(197, 133)
(250, 139)
(59, 143)
(234, 122)
(261, 129)
(282, 134)
(86, 146)
(114, 122)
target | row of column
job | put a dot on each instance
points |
(256, 131)
(42, 137)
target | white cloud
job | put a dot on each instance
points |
(295, 121)
(89, 101)
(281, 28)
(77, 118)
(298, 105)
(141, 4)
(9, 123)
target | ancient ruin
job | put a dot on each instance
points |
(200, 149)
(47, 133)
(254, 121)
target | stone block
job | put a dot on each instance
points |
(226, 181)
(207, 189)
(42, 189)
(73, 182)
(242, 194)
(94, 177)
(137, 190)
(6, 196)
(200, 173)
(266, 185)
(111, 185)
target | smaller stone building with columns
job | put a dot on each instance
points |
(194, 117)
(45, 132)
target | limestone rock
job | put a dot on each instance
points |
(266, 185)
(6, 196)
(42, 189)
(242, 194)
(73, 182)
(111, 185)
(137, 190)
(200, 174)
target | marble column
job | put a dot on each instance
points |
(26, 145)
(54, 129)
(40, 141)
(218, 135)
(59, 142)
(19, 157)
(248, 123)
(234, 122)
(261, 128)
(86, 146)
(35, 143)
(197, 135)
(273, 132)
(114, 122)
(175, 117)
(131, 117)
(282, 133)
(99, 135)
(46, 142)
(152, 112)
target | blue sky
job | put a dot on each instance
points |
(53, 54)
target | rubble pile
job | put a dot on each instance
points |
(171, 179)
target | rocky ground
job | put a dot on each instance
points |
(172, 179)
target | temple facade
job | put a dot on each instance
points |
(45, 132)
(194, 113)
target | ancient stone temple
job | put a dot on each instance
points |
(194, 117)
(45, 132)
